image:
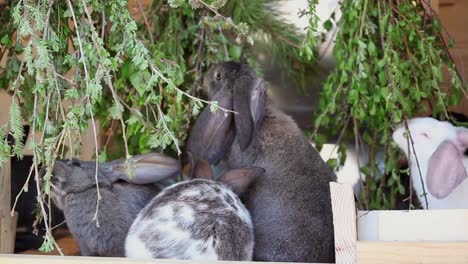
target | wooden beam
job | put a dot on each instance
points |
(36, 259)
(414, 225)
(88, 142)
(435, 5)
(412, 252)
(344, 222)
(446, 2)
(7, 222)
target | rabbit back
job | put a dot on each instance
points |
(198, 219)
(113, 216)
(290, 204)
(136, 196)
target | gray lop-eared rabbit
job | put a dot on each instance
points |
(74, 191)
(290, 204)
(196, 219)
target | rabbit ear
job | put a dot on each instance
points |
(60, 169)
(462, 136)
(149, 168)
(249, 103)
(202, 170)
(240, 179)
(445, 171)
(188, 165)
(212, 134)
(195, 169)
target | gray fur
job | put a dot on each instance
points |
(290, 204)
(74, 191)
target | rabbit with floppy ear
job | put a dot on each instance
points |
(28, 236)
(196, 219)
(74, 191)
(439, 148)
(290, 203)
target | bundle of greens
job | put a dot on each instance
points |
(390, 58)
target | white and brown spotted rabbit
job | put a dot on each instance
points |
(196, 219)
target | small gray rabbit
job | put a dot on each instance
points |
(74, 191)
(196, 219)
(290, 203)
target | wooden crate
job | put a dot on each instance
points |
(432, 236)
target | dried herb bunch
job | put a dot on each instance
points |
(391, 56)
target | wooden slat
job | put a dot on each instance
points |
(415, 225)
(13, 223)
(5, 186)
(23, 259)
(423, 225)
(88, 142)
(368, 225)
(344, 222)
(411, 252)
(67, 244)
(446, 2)
(7, 235)
(435, 5)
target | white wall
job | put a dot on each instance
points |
(291, 8)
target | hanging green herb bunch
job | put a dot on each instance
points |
(390, 59)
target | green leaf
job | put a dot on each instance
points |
(139, 80)
(235, 52)
(371, 49)
(328, 25)
(103, 156)
(16, 128)
(214, 106)
(333, 163)
(116, 111)
(6, 41)
(451, 43)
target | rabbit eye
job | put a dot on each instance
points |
(75, 162)
(218, 76)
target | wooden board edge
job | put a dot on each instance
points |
(411, 252)
(413, 226)
(344, 222)
(42, 259)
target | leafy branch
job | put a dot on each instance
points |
(390, 59)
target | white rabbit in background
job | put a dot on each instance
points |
(439, 148)
(350, 173)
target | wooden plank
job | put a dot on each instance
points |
(414, 225)
(368, 225)
(7, 243)
(67, 244)
(7, 235)
(344, 222)
(411, 252)
(36, 259)
(446, 2)
(13, 222)
(423, 225)
(435, 5)
(5, 186)
(88, 142)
